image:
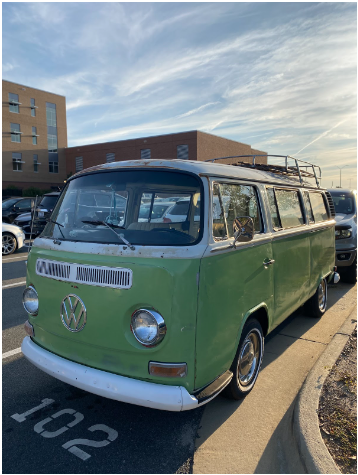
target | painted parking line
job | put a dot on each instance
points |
(11, 353)
(14, 258)
(14, 284)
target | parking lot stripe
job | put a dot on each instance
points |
(15, 284)
(13, 258)
(11, 353)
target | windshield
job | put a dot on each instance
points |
(48, 202)
(9, 203)
(343, 202)
(134, 203)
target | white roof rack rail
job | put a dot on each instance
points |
(299, 168)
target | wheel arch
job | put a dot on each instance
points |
(261, 313)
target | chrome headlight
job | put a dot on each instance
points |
(343, 233)
(30, 301)
(148, 327)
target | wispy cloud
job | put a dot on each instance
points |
(276, 76)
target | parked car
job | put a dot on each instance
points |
(167, 315)
(43, 211)
(158, 211)
(14, 207)
(12, 238)
(345, 204)
(178, 213)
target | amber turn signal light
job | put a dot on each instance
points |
(29, 329)
(168, 370)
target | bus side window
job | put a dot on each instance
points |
(307, 202)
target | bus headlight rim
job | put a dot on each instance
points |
(34, 309)
(142, 332)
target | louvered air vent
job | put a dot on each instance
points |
(331, 204)
(114, 277)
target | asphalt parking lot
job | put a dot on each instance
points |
(106, 437)
(51, 427)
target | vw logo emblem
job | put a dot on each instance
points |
(73, 313)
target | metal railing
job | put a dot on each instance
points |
(297, 170)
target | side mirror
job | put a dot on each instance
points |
(243, 228)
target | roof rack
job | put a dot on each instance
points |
(297, 170)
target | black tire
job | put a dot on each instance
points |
(9, 244)
(247, 362)
(349, 274)
(316, 306)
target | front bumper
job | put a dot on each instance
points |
(112, 386)
(20, 240)
(345, 257)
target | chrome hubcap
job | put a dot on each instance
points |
(8, 244)
(249, 358)
(322, 295)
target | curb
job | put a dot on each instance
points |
(312, 449)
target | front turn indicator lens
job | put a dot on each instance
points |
(30, 301)
(168, 370)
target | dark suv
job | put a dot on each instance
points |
(13, 207)
(43, 211)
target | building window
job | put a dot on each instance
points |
(33, 108)
(79, 164)
(52, 142)
(51, 114)
(14, 102)
(53, 167)
(34, 136)
(36, 163)
(110, 157)
(145, 154)
(182, 152)
(15, 133)
(17, 162)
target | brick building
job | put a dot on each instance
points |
(192, 145)
(34, 137)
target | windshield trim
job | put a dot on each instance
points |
(157, 169)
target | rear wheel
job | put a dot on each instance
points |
(247, 362)
(317, 304)
(9, 244)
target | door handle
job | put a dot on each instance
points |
(269, 262)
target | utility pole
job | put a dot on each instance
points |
(340, 175)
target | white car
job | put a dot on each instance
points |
(13, 238)
(158, 211)
(178, 213)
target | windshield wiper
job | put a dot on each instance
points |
(49, 220)
(111, 226)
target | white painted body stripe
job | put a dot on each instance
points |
(112, 386)
(11, 353)
(14, 284)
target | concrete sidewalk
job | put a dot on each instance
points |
(255, 435)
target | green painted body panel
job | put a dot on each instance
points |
(231, 283)
(106, 342)
(235, 284)
(291, 274)
(322, 255)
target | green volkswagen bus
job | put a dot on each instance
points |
(167, 309)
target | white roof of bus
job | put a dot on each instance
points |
(200, 168)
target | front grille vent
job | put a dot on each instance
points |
(114, 277)
(331, 204)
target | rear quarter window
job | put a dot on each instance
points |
(318, 207)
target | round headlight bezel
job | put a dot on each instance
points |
(161, 327)
(34, 313)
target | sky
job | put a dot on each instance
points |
(281, 77)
